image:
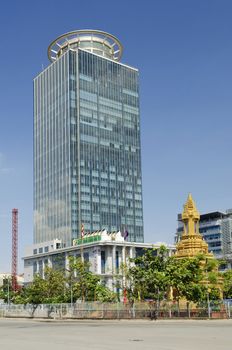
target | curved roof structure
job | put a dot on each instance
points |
(95, 41)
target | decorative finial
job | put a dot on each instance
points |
(190, 209)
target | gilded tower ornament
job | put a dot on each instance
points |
(191, 242)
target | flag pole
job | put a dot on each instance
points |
(82, 236)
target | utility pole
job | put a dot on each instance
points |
(8, 290)
(207, 285)
(14, 262)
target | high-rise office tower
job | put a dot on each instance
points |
(87, 156)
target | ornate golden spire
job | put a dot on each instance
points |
(190, 210)
(192, 242)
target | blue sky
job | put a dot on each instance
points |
(183, 49)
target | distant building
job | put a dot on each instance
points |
(216, 229)
(7, 277)
(104, 251)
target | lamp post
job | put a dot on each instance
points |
(8, 291)
(207, 285)
(71, 287)
(71, 292)
(208, 302)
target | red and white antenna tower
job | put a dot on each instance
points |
(14, 263)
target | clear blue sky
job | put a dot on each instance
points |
(183, 49)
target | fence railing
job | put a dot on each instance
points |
(97, 310)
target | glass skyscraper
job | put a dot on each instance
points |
(87, 153)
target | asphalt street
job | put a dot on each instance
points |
(108, 335)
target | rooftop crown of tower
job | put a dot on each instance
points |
(95, 41)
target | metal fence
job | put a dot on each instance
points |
(97, 310)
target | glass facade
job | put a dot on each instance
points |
(52, 163)
(87, 162)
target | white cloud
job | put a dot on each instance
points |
(4, 170)
(4, 216)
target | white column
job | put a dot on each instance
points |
(124, 255)
(37, 268)
(98, 260)
(113, 259)
(49, 261)
(66, 261)
(131, 252)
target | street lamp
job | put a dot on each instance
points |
(71, 292)
(207, 285)
(71, 287)
(8, 291)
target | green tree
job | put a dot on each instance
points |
(213, 279)
(85, 285)
(6, 292)
(155, 275)
(47, 290)
(195, 279)
(227, 284)
(185, 276)
(104, 294)
(147, 277)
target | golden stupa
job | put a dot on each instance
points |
(191, 242)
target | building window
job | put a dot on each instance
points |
(34, 267)
(40, 267)
(117, 262)
(86, 257)
(34, 251)
(46, 249)
(40, 250)
(103, 261)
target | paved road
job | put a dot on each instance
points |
(120, 335)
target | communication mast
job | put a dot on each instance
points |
(14, 262)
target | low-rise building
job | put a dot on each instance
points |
(7, 277)
(104, 251)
